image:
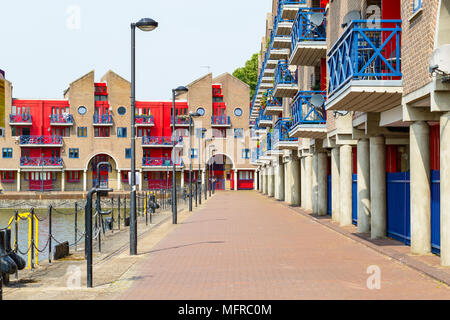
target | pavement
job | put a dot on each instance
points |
(243, 245)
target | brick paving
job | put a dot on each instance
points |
(242, 245)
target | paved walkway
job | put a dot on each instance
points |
(242, 245)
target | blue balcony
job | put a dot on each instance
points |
(279, 46)
(220, 121)
(309, 116)
(61, 120)
(24, 119)
(49, 162)
(40, 141)
(365, 67)
(287, 9)
(160, 142)
(255, 155)
(281, 139)
(274, 105)
(160, 162)
(308, 37)
(144, 121)
(286, 80)
(264, 120)
(102, 120)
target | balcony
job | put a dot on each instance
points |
(158, 162)
(286, 81)
(102, 120)
(309, 116)
(41, 163)
(274, 105)
(40, 141)
(263, 120)
(308, 38)
(180, 121)
(220, 121)
(61, 120)
(20, 119)
(255, 155)
(288, 8)
(365, 67)
(144, 121)
(281, 138)
(161, 142)
(282, 27)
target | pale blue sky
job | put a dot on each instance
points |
(45, 53)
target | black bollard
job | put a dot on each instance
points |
(118, 209)
(76, 225)
(49, 234)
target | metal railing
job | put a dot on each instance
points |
(160, 141)
(283, 75)
(102, 119)
(271, 100)
(367, 50)
(160, 161)
(40, 140)
(304, 112)
(41, 161)
(61, 118)
(220, 120)
(281, 131)
(144, 119)
(20, 118)
(305, 30)
(183, 120)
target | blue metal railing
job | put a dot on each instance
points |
(160, 141)
(20, 118)
(160, 162)
(305, 30)
(61, 118)
(264, 117)
(281, 131)
(283, 75)
(40, 140)
(102, 119)
(255, 154)
(304, 112)
(364, 52)
(41, 162)
(180, 120)
(220, 120)
(144, 119)
(271, 100)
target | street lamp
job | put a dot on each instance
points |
(145, 24)
(191, 115)
(175, 93)
(200, 136)
(206, 167)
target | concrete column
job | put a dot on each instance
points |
(322, 183)
(260, 183)
(308, 185)
(335, 184)
(119, 180)
(235, 179)
(279, 181)
(255, 180)
(18, 180)
(445, 189)
(287, 182)
(265, 183)
(315, 185)
(182, 179)
(378, 187)
(346, 177)
(302, 181)
(419, 134)
(63, 181)
(363, 163)
(84, 180)
(294, 181)
(271, 180)
(140, 180)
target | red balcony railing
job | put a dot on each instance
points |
(160, 141)
(40, 140)
(160, 162)
(41, 162)
(20, 118)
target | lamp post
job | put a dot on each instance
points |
(145, 24)
(175, 92)
(191, 115)
(206, 167)
(200, 136)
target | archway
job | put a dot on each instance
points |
(108, 177)
(221, 172)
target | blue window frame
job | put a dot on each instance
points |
(121, 132)
(7, 153)
(82, 132)
(128, 153)
(245, 153)
(417, 4)
(194, 153)
(74, 153)
(238, 133)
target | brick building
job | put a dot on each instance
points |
(350, 119)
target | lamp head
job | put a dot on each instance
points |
(194, 114)
(147, 24)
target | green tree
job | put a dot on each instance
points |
(249, 74)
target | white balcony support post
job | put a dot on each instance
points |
(279, 180)
(235, 179)
(363, 163)
(85, 180)
(378, 219)
(346, 176)
(63, 181)
(335, 184)
(445, 189)
(322, 183)
(315, 183)
(140, 181)
(308, 205)
(271, 181)
(18, 180)
(182, 179)
(119, 180)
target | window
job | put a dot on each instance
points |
(194, 153)
(73, 176)
(200, 132)
(82, 132)
(82, 110)
(417, 4)
(124, 175)
(7, 176)
(7, 153)
(121, 111)
(61, 132)
(201, 111)
(238, 112)
(128, 153)
(101, 132)
(245, 153)
(74, 153)
(121, 132)
(245, 175)
(238, 133)
(220, 133)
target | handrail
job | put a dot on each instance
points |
(220, 120)
(41, 161)
(20, 118)
(158, 141)
(144, 119)
(102, 119)
(40, 140)
(304, 112)
(305, 30)
(283, 75)
(61, 118)
(281, 130)
(160, 161)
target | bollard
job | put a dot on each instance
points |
(118, 209)
(76, 225)
(125, 210)
(32, 239)
(112, 214)
(199, 193)
(50, 234)
(16, 236)
(196, 193)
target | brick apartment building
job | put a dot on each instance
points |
(55, 145)
(350, 119)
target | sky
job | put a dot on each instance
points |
(61, 40)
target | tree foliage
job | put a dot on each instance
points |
(249, 74)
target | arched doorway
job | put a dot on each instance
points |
(221, 172)
(107, 176)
